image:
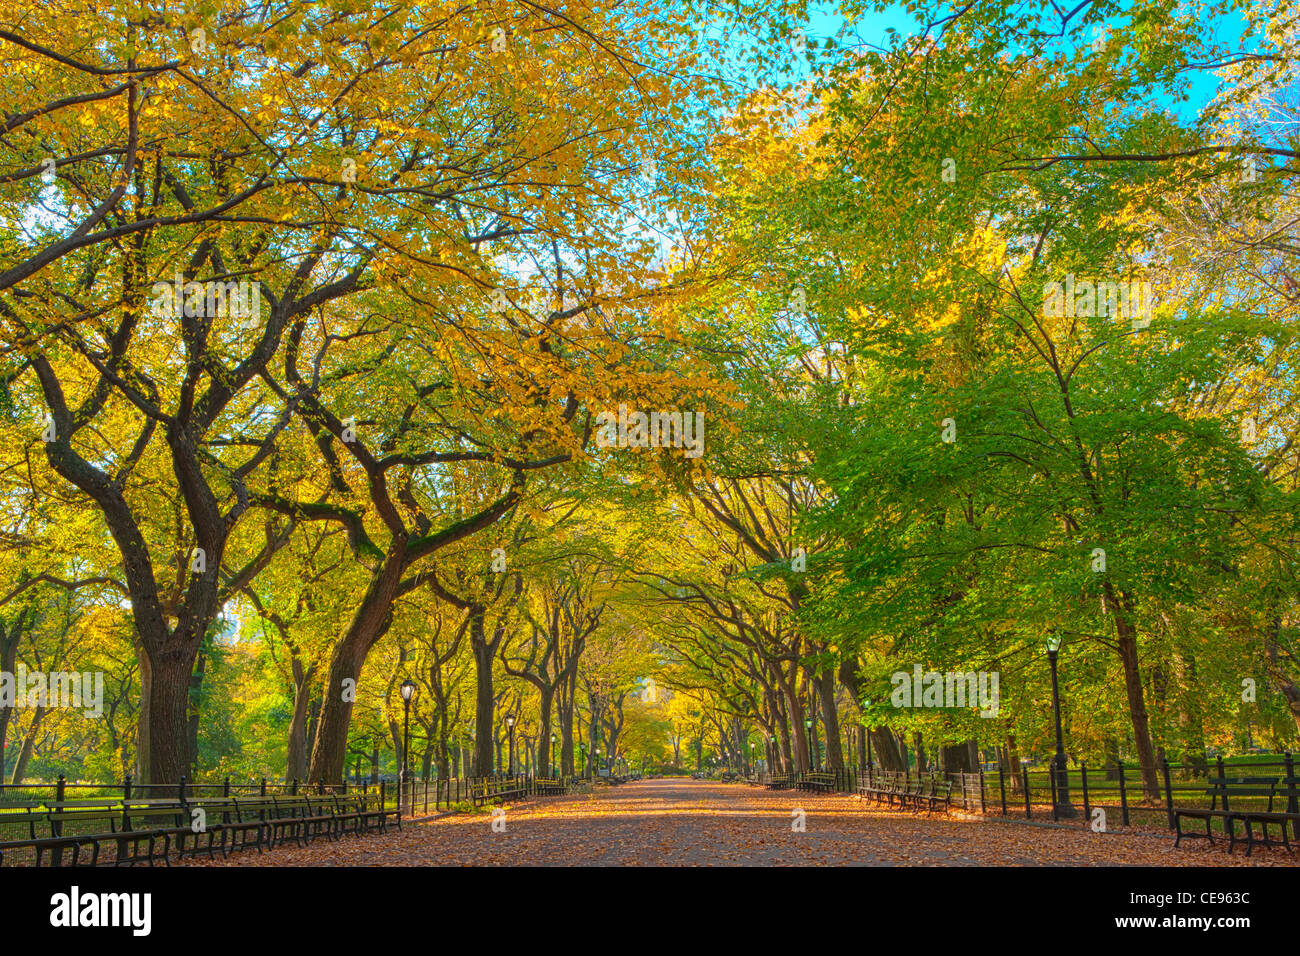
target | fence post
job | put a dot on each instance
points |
(1169, 793)
(60, 790)
(983, 806)
(225, 789)
(1029, 813)
(1002, 788)
(383, 802)
(126, 787)
(263, 786)
(181, 789)
(293, 789)
(1123, 796)
(1083, 776)
(1291, 794)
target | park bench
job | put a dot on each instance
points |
(48, 851)
(149, 830)
(358, 812)
(779, 781)
(548, 787)
(930, 793)
(216, 828)
(818, 782)
(108, 821)
(295, 817)
(68, 814)
(884, 785)
(25, 820)
(492, 789)
(1221, 791)
(1287, 790)
(134, 845)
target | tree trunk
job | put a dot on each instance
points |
(1191, 717)
(143, 743)
(564, 711)
(799, 737)
(368, 624)
(1290, 691)
(885, 751)
(169, 704)
(194, 714)
(485, 702)
(1111, 758)
(8, 658)
(956, 758)
(1013, 761)
(29, 744)
(296, 764)
(1128, 652)
(544, 741)
(825, 684)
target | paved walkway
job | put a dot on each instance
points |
(700, 823)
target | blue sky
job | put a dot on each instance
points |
(825, 20)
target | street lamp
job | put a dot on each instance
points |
(807, 726)
(1064, 809)
(552, 757)
(510, 725)
(866, 706)
(582, 750)
(408, 693)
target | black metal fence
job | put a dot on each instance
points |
(1126, 795)
(412, 797)
(431, 796)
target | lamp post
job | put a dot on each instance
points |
(510, 725)
(408, 692)
(551, 761)
(1064, 809)
(582, 751)
(866, 706)
(807, 727)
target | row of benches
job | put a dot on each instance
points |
(493, 789)
(1222, 790)
(148, 830)
(931, 793)
(882, 786)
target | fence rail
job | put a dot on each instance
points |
(411, 797)
(1127, 795)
